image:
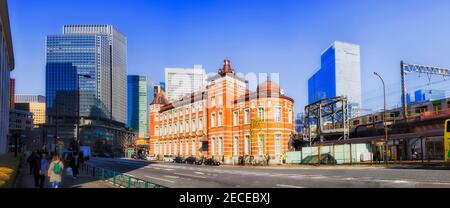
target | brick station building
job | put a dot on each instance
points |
(224, 121)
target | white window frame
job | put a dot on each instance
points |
(213, 146)
(194, 146)
(220, 119)
(247, 144)
(278, 144)
(220, 146)
(236, 118)
(247, 116)
(236, 146)
(213, 120)
(263, 113)
(278, 114)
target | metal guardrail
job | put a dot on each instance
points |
(119, 179)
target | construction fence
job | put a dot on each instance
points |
(334, 154)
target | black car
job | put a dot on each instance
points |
(212, 162)
(178, 160)
(193, 161)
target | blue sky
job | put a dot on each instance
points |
(280, 36)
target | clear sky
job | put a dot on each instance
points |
(276, 36)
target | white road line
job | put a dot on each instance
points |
(187, 175)
(288, 186)
(199, 173)
(160, 179)
(169, 176)
(168, 169)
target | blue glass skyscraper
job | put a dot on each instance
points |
(138, 105)
(69, 57)
(340, 75)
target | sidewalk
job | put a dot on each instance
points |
(25, 180)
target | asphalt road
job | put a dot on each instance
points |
(191, 176)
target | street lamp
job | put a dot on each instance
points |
(384, 116)
(78, 103)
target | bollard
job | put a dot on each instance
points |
(129, 182)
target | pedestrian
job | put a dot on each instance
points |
(267, 159)
(44, 165)
(36, 164)
(74, 164)
(30, 160)
(284, 158)
(55, 170)
(81, 159)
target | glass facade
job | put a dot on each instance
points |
(118, 69)
(68, 58)
(138, 105)
(340, 75)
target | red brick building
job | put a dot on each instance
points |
(225, 121)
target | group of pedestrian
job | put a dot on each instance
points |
(41, 168)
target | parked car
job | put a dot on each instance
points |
(168, 159)
(178, 160)
(193, 161)
(212, 162)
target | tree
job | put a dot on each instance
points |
(127, 141)
(255, 130)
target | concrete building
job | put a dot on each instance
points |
(20, 120)
(6, 66)
(138, 105)
(340, 75)
(30, 99)
(224, 121)
(36, 108)
(183, 81)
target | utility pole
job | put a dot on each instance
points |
(384, 118)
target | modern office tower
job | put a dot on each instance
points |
(12, 92)
(69, 59)
(150, 90)
(340, 75)
(34, 104)
(428, 95)
(138, 105)
(30, 99)
(118, 67)
(183, 81)
(6, 66)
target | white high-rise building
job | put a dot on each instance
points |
(182, 81)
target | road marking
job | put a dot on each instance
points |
(199, 173)
(288, 186)
(160, 179)
(187, 175)
(169, 176)
(168, 169)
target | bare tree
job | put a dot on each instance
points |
(126, 141)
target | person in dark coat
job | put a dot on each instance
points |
(31, 160)
(36, 163)
(74, 165)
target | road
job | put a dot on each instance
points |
(191, 176)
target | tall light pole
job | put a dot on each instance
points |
(384, 116)
(78, 103)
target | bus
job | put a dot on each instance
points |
(447, 140)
